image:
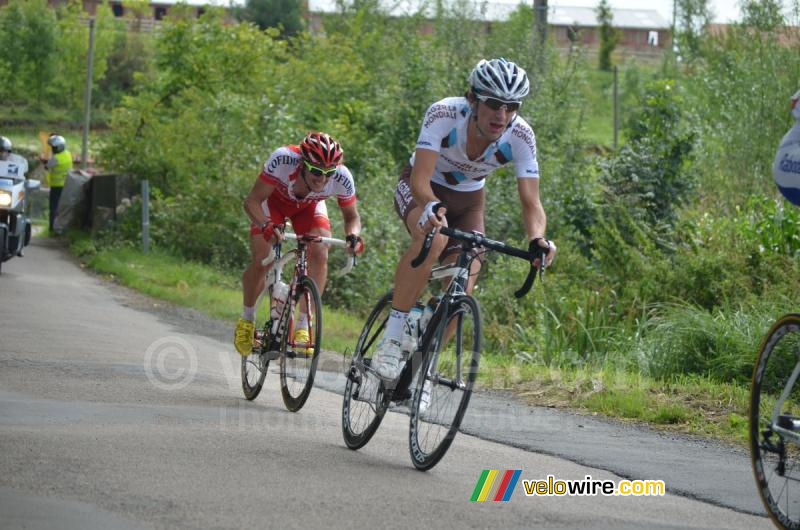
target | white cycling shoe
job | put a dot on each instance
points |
(389, 360)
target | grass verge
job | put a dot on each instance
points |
(689, 404)
(208, 290)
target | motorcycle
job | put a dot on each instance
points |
(15, 227)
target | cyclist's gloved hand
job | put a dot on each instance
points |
(539, 246)
(355, 244)
(432, 213)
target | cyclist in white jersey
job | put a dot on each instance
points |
(462, 141)
(293, 184)
(786, 169)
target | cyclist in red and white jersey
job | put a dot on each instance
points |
(462, 141)
(293, 184)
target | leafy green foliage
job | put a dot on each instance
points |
(28, 50)
(285, 15)
(741, 89)
(664, 264)
(693, 17)
(609, 36)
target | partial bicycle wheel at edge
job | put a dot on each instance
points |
(775, 454)
(299, 359)
(445, 380)
(363, 407)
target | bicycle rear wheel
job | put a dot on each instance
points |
(254, 367)
(775, 422)
(363, 407)
(448, 372)
(299, 356)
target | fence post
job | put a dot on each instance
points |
(616, 108)
(88, 98)
(146, 216)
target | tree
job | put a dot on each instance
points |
(609, 36)
(28, 50)
(692, 19)
(73, 51)
(283, 14)
(762, 14)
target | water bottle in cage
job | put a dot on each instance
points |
(411, 329)
(427, 313)
(279, 293)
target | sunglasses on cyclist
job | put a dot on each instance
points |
(318, 171)
(497, 104)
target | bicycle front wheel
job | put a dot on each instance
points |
(300, 346)
(254, 367)
(444, 383)
(775, 422)
(363, 407)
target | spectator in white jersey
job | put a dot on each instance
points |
(462, 141)
(293, 184)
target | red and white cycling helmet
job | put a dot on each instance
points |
(319, 149)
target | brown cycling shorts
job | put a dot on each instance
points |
(464, 208)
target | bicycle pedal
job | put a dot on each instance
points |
(271, 355)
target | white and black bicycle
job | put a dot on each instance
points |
(439, 375)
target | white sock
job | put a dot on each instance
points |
(249, 313)
(394, 327)
(301, 322)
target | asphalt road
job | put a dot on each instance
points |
(117, 411)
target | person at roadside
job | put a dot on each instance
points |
(58, 167)
(5, 148)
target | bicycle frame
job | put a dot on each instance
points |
(458, 273)
(775, 419)
(301, 269)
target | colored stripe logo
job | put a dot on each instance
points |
(496, 485)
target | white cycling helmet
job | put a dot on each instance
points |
(500, 78)
(57, 143)
(5, 144)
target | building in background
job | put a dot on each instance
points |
(644, 31)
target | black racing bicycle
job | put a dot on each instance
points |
(277, 338)
(775, 422)
(439, 375)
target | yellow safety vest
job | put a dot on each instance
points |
(58, 173)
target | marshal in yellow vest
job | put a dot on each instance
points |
(58, 173)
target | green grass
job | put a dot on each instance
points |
(210, 291)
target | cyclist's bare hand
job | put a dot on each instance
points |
(537, 246)
(432, 217)
(355, 245)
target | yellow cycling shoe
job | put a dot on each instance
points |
(302, 341)
(243, 337)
